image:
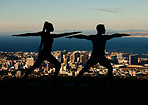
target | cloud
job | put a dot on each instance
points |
(108, 9)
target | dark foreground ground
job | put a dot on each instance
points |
(92, 91)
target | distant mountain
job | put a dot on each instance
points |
(12, 33)
(133, 32)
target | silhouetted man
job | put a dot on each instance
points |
(97, 56)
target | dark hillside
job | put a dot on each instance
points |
(92, 91)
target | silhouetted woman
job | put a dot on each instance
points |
(45, 47)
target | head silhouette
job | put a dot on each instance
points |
(48, 27)
(100, 29)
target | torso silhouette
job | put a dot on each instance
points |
(99, 42)
(47, 42)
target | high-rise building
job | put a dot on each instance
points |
(119, 56)
(89, 55)
(74, 56)
(18, 74)
(16, 66)
(133, 59)
(84, 58)
(47, 66)
(30, 62)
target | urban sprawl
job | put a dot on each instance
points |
(14, 64)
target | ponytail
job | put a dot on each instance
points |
(45, 25)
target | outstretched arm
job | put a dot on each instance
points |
(117, 35)
(64, 34)
(29, 34)
(80, 36)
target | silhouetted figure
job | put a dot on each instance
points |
(98, 53)
(45, 47)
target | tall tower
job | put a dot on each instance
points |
(30, 62)
(47, 66)
(133, 59)
(63, 56)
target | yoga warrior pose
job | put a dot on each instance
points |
(97, 56)
(45, 47)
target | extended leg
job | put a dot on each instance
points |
(105, 62)
(90, 63)
(55, 62)
(36, 64)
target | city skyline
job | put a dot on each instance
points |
(29, 15)
(124, 64)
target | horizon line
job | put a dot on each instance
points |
(79, 30)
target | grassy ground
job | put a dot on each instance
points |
(92, 91)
